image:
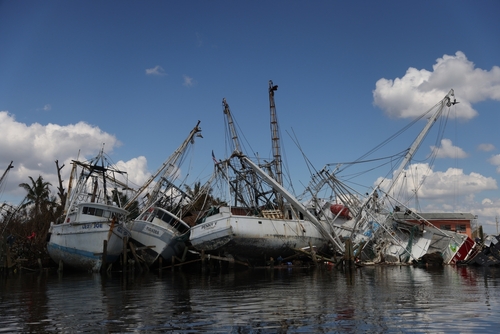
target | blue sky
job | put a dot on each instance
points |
(137, 76)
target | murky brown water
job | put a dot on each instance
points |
(370, 300)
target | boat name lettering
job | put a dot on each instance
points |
(90, 225)
(209, 225)
(152, 230)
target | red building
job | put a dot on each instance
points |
(446, 221)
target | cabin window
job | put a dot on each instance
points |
(96, 212)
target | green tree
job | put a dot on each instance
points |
(38, 194)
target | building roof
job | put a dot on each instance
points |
(436, 216)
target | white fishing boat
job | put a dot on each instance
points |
(259, 220)
(368, 220)
(92, 229)
(158, 231)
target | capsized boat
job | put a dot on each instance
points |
(368, 220)
(92, 229)
(158, 230)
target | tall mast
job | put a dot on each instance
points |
(275, 137)
(230, 124)
(446, 101)
(5, 173)
(170, 162)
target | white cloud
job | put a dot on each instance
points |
(438, 185)
(495, 161)
(188, 81)
(486, 147)
(447, 150)
(418, 90)
(35, 147)
(157, 70)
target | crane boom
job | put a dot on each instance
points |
(446, 101)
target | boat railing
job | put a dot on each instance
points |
(272, 214)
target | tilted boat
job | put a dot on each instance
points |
(92, 229)
(158, 230)
(371, 224)
(260, 220)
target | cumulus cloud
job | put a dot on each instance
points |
(495, 161)
(188, 81)
(447, 150)
(486, 147)
(157, 71)
(437, 185)
(35, 147)
(418, 90)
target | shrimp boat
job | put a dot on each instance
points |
(158, 231)
(90, 233)
(372, 222)
(259, 220)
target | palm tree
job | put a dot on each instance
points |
(203, 197)
(38, 194)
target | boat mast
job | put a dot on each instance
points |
(170, 162)
(446, 101)
(275, 138)
(275, 134)
(5, 173)
(232, 130)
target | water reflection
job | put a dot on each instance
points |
(370, 299)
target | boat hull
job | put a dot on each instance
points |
(156, 240)
(80, 245)
(254, 238)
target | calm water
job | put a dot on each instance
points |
(371, 299)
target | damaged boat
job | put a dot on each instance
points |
(159, 230)
(371, 221)
(260, 220)
(91, 231)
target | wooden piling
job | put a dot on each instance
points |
(125, 251)
(313, 254)
(203, 264)
(349, 254)
(104, 265)
(132, 250)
